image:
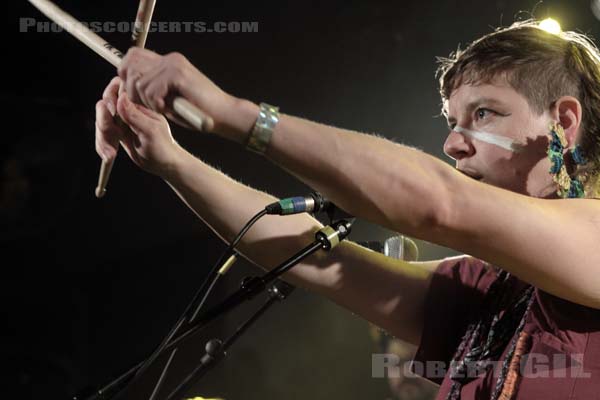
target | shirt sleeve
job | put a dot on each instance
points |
(454, 297)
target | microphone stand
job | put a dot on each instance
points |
(216, 350)
(326, 238)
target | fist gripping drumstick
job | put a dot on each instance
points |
(186, 110)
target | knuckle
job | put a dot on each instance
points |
(176, 59)
(179, 78)
(141, 84)
(102, 125)
(133, 52)
(98, 144)
(125, 69)
(174, 55)
(109, 94)
(160, 104)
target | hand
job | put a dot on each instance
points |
(144, 134)
(154, 80)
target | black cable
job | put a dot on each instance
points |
(206, 288)
(227, 253)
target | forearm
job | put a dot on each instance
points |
(386, 183)
(411, 192)
(346, 275)
(370, 177)
(225, 205)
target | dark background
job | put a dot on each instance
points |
(90, 286)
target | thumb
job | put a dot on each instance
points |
(132, 114)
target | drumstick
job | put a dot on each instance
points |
(142, 22)
(138, 39)
(189, 112)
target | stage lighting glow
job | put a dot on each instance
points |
(550, 25)
(595, 5)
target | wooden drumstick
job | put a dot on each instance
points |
(189, 112)
(105, 169)
(138, 39)
(142, 22)
(186, 110)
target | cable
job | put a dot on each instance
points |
(206, 288)
(220, 266)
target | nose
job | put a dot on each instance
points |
(457, 146)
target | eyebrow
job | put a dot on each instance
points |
(476, 104)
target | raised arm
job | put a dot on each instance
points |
(399, 187)
(388, 292)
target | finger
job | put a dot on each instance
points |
(108, 133)
(121, 89)
(142, 93)
(171, 115)
(154, 90)
(150, 113)
(126, 63)
(111, 95)
(133, 115)
(156, 117)
(136, 61)
(130, 143)
(131, 87)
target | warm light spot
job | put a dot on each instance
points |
(551, 26)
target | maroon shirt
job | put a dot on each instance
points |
(563, 360)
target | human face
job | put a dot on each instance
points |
(498, 109)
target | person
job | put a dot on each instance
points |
(517, 316)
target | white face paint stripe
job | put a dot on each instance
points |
(491, 138)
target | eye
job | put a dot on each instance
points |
(482, 113)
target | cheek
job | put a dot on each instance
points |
(493, 157)
(500, 166)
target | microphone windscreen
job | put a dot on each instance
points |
(398, 247)
(401, 248)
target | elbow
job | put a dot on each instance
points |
(424, 219)
(432, 222)
(440, 210)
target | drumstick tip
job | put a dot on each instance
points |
(100, 192)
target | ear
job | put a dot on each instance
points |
(567, 110)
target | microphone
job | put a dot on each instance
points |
(313, 203)
(398, 247)
(401, 248)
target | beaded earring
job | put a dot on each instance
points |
(567, 187)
